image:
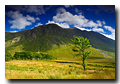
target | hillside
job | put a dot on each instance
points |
(45, 38)
(97, 40)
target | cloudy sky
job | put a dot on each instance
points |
(98, 18)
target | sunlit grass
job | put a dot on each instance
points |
(65, 52)
(58, 69)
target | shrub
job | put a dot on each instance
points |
(30, 55)
(8, 56)
(38, 55)
(18, 55)
(47, 56)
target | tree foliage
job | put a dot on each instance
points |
(80, 45)
(30, 55)
(8, 56)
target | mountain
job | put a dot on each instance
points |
(97, 40)
(43, 38)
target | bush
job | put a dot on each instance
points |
(38, 55)
(30, 55)
(18, 55)
(8, 56)
(47, 56)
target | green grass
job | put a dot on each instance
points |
(65, 52)
(59, 69)
(111, 54)
(61, 51)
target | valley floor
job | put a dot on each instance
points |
(59, 69)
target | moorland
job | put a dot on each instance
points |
(55, 58)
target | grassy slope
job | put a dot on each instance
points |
(61, 51)
(65, 52)
(110, 54)
(59, 69)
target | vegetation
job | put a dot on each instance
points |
(54, 42)
(81, 44)
(110, 54)
(44, 37)
(32, 55)
(8, 56)
(59, 69)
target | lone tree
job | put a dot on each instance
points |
(81, 44)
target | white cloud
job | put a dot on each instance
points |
(78, 11)
(61, 10)
(83, 28)
(38, 24)
(19, 21)
(49, 22)
(112, 35)
(13, 31)
(103, 22)
(91, 24)
(110, 29)
(37, 18)
(70, 19)
(63, 25)
(98, 29)
(99, 23)
(32, 19)
(67, 17)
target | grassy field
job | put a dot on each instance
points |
(59, 69)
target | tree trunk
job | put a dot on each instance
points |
(83, 61)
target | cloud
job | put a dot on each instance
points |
(37, 18)
(92, 24)
(83, 28)
(49, 22)
(13, 31)
(67, 17)
(67, 6)
(105, 8)
(32, 19)
(60, 10)
(70, 18)
(110, 29)
(37, 9)
(38, 24)
(103, 22)
(98, 29)
(19, 21)
(78, 11)
(112, 35)
(63, 25)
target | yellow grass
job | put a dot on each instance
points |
(51, 69)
